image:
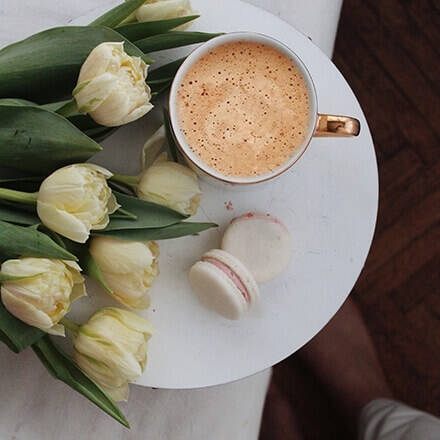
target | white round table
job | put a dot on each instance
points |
(328, 200)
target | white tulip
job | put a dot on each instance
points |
(44, 297)
(76, 199)
(165, 9)
(128, 267)
(112, 86)
(112, 349)
(170, 184)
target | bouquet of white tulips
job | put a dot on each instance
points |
(61, 92)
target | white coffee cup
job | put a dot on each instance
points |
(320, 125)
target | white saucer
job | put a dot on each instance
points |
(328, 200)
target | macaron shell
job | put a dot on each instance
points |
(261, 242)
(217, 291)
(242, 272)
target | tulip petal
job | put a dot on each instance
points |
(141, 303)
(153, 147)
(132, 320)
(129, 268)
(19, 269)
(76, 199)
(129, 289)
(170, 184)
(108, 352)
(120, 394)
(98, 61)
(74, 266)
(91, 94)
(42, 300)
(78, 291)
(112, 86)
(96, 368)
(111, 348)
(112, 205)
(24, 310)
(137, 113)
(121, 257)
(57, 330)
(101, 170)
(163, 9)
(102, 224)
(62, 222)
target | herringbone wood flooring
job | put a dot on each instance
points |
(389, 51)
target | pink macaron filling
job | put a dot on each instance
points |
(231, 275)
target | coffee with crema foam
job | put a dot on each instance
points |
(244, 109)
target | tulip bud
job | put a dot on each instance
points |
(76, 199)
(112, 86)
(170, 184)
(128, 267)
(44, 296)
(112, 349)
(164, 9)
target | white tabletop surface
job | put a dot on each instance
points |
(33, 405)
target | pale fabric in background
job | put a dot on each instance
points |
(385, 419)
(318, 19)
(33, 406)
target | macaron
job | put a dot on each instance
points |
(261, 242)
(224, 284)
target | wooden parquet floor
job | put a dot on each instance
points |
(389, 51)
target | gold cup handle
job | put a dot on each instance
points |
(336, 126)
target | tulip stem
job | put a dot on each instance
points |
(73, 327)
(18, 196)
(130, 181)
(69, 109)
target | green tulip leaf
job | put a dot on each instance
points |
(55, 106)
(118, 14)
(17, 241)
(138, 31)
(7, 342)
(148, 215)
(174, 231)
(68, 109)
(92, 270)
(62, 367)
(160, 79)
(99, 134)
(26, 183)
(16, 334)
(17, 102)
(13, 214)
(36, 140)
(165, 72)
(20, 182)
(158, 89)
(87, 262)
(45, 67)
(85, 123)
(172, 39)
(32, 179)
